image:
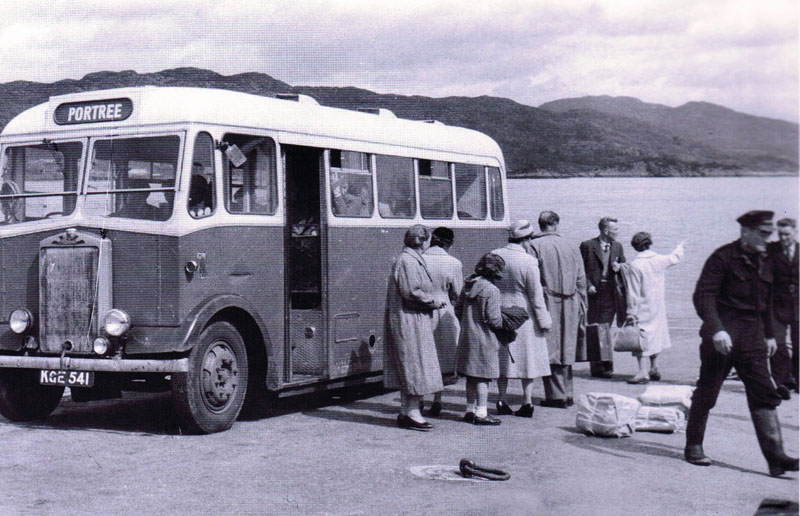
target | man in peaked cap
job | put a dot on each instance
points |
(733, 297)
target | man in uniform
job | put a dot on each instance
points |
(784, 257)
(605, 300)
(733, 297)
(564, 284)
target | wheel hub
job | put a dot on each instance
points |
(220, 375)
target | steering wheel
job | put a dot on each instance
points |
(12, 208)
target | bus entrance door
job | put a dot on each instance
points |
(307, 356)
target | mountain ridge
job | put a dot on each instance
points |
(593, 135)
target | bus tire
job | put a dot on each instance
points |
(23, 399)
(209, 397)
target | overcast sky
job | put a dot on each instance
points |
(742, 54)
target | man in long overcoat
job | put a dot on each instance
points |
(606, 300)
(521, 286)
(564, 283)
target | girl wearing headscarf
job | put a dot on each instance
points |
(410, 360)
(478, 309)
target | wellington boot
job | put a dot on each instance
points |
(694, 455)
(768, 432)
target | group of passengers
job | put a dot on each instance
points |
(516, 317)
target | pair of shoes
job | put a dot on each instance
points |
(694, 455)
(488, 420)
(469, 417)
(655, 375)
(435, 409)
(525, 411)
(555, 403)
(406, 422)
(503, 409)
(604, 374)
(783, 392)
(638, 381)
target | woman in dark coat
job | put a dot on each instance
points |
(477, 358)
(410, 360)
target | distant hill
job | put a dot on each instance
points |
(581, 136)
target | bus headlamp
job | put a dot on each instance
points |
(116, 322)
(20, 320)
(100, 345)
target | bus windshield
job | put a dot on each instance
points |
(133, 177)
(39, 181)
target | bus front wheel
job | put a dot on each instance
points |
(23, 399)
(209, 396)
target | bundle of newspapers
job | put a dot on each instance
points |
(663, 408)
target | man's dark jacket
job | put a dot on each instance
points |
(784, 272)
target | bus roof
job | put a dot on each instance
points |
(151, 105)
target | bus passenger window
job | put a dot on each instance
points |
(351, 184)
(396, 196)
(435, 189)
(470, 191)
(496, 193)
(201, 185)
(251, 188)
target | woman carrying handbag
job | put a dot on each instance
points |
(646, 307)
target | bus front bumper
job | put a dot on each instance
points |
(180, 365)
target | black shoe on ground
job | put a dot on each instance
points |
(603, 374)
(555, 403)
(435, 409)
(503, 409)
(469, 417)
(694, 455)
(525, 411)
(488, 420)
(570, 402)
(655, 375)
(784, 393)
(410, 424)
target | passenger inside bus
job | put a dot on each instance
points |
(201, 198)
(136, 205)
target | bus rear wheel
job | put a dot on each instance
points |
(209, 397)
(23, 399)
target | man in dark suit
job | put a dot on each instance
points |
(605, 297)
(783, 255)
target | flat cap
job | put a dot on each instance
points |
(756, 219)
(520, 229)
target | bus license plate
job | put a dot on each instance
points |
(67, 378)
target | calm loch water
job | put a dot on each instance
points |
(701, 210)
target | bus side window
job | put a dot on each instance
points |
(435, 189)
(396, 196)
(251, 188)
(201, 185)
(496, 193)
(471, 191)
(351, 184)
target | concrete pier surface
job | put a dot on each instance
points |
(343, 454)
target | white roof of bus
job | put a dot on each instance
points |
(164, 105)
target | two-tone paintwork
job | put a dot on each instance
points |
(243, 256)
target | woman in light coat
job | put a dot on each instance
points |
(521, 286)
(478, 308)
(410, 360)
(645, 291)
(448, 280)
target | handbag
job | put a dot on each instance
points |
(629, 337)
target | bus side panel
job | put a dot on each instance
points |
(245, 261)
(145, 277)
(359, 263)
